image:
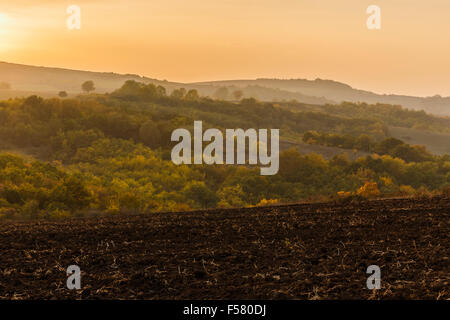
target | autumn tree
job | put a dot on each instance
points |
(369, 190)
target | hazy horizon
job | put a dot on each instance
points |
(194, 41)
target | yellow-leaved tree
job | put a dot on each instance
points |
(369, 190)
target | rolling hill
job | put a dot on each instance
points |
(339, 92)
(26, 80)
(49, 81)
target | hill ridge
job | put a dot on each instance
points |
(319, 91)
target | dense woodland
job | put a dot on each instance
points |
(111, 153)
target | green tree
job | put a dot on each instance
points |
(411, 153)
(231, 197)
(201, 196)
(178, 93)
(192, 95)
(387, 145)
(364, 143)
(88, 86)
(71, 193)
(311, 137)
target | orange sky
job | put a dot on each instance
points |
(196, 40)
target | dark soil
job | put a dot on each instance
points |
(306, 251)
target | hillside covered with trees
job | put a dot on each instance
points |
(111, 153)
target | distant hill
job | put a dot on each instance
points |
(26, 79)
(339, 92)
(49, 81)
(46, 80)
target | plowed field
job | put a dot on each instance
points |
(305, 251)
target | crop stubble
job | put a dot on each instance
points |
(305, 251)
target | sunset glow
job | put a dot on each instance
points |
(3, 23)
(4, 32)
(196, 40)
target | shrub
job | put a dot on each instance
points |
(369, 190)
(59, 214)
(406, 191)
(7, 213)
(423, 192)
(267, 202)
(344, 194)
